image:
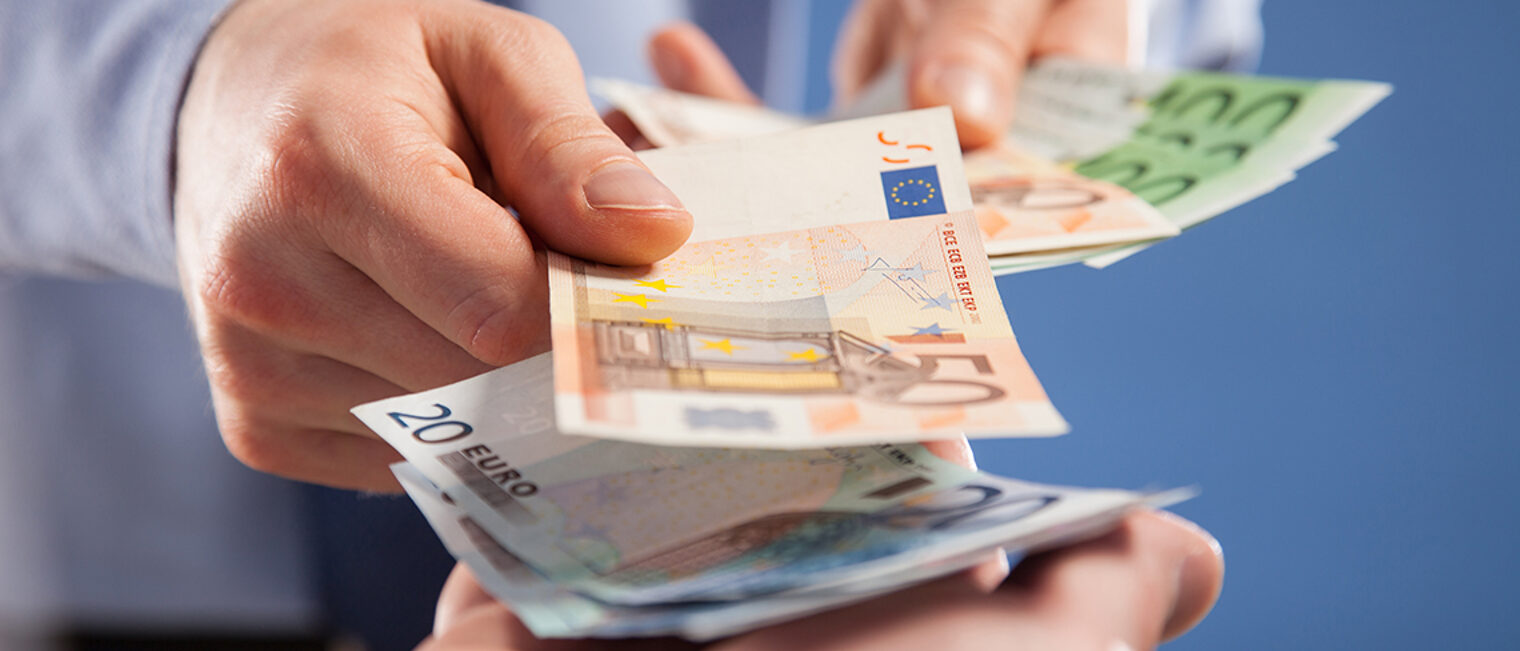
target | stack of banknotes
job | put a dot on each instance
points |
(1100, 162)
(729, 437)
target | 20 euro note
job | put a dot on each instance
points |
(551, 610)
(555, 611)
(640, 525)
(838, 335)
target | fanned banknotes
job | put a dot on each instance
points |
(1023, 202)
(1216, 140)
(857, 333)
(591, 537)
(1191, 144)
(551, 610)
(1208, 141)
(835, 304)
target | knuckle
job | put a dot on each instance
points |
(238, 379)
(1003, 28)
(540, 34)
(238, 286)
(493, 326)
(300, 165)
(262, 448)
(520, 41)
(223, 289)
(417, 159)
(566, 127)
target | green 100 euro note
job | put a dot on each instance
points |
(836, 335)
(1217, 140)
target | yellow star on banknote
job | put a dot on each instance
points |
(637, 299)
(725, 344)
(809, 355)
(708, 267)
(655, 284)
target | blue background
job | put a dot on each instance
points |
(1334, 364)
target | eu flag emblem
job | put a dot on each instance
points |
(912, 192)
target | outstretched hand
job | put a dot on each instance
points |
(1150, 580)
(967, 54)
(970, 54)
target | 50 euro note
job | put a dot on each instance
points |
(632, 525)
(1026, 204)
(836, 335)
(1186, 192)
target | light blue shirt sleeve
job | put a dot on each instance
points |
(1204, 34)
(89, 91)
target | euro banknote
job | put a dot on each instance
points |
(1192, 144)
(1215, 140)
(551, 610)
(1064, 114)
(1026, 204)
(667, 118)
(1023, 202)
(884, 167)
(1207, 142)
(587, 536)
(857, 333)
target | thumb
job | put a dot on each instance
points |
(1147, 581)
(573, 182)
(970, 56)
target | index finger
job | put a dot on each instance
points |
(956, 451)
(971, 56)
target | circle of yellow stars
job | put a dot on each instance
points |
(902, 184)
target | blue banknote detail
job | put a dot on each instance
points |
(913, 192)
(730, 419)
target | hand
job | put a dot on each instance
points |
(970, 54)
(342, 171)
(1150, 580)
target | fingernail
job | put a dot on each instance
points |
(1197, 587)
(626, 186)
(971, 91)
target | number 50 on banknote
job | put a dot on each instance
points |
(834, 335)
